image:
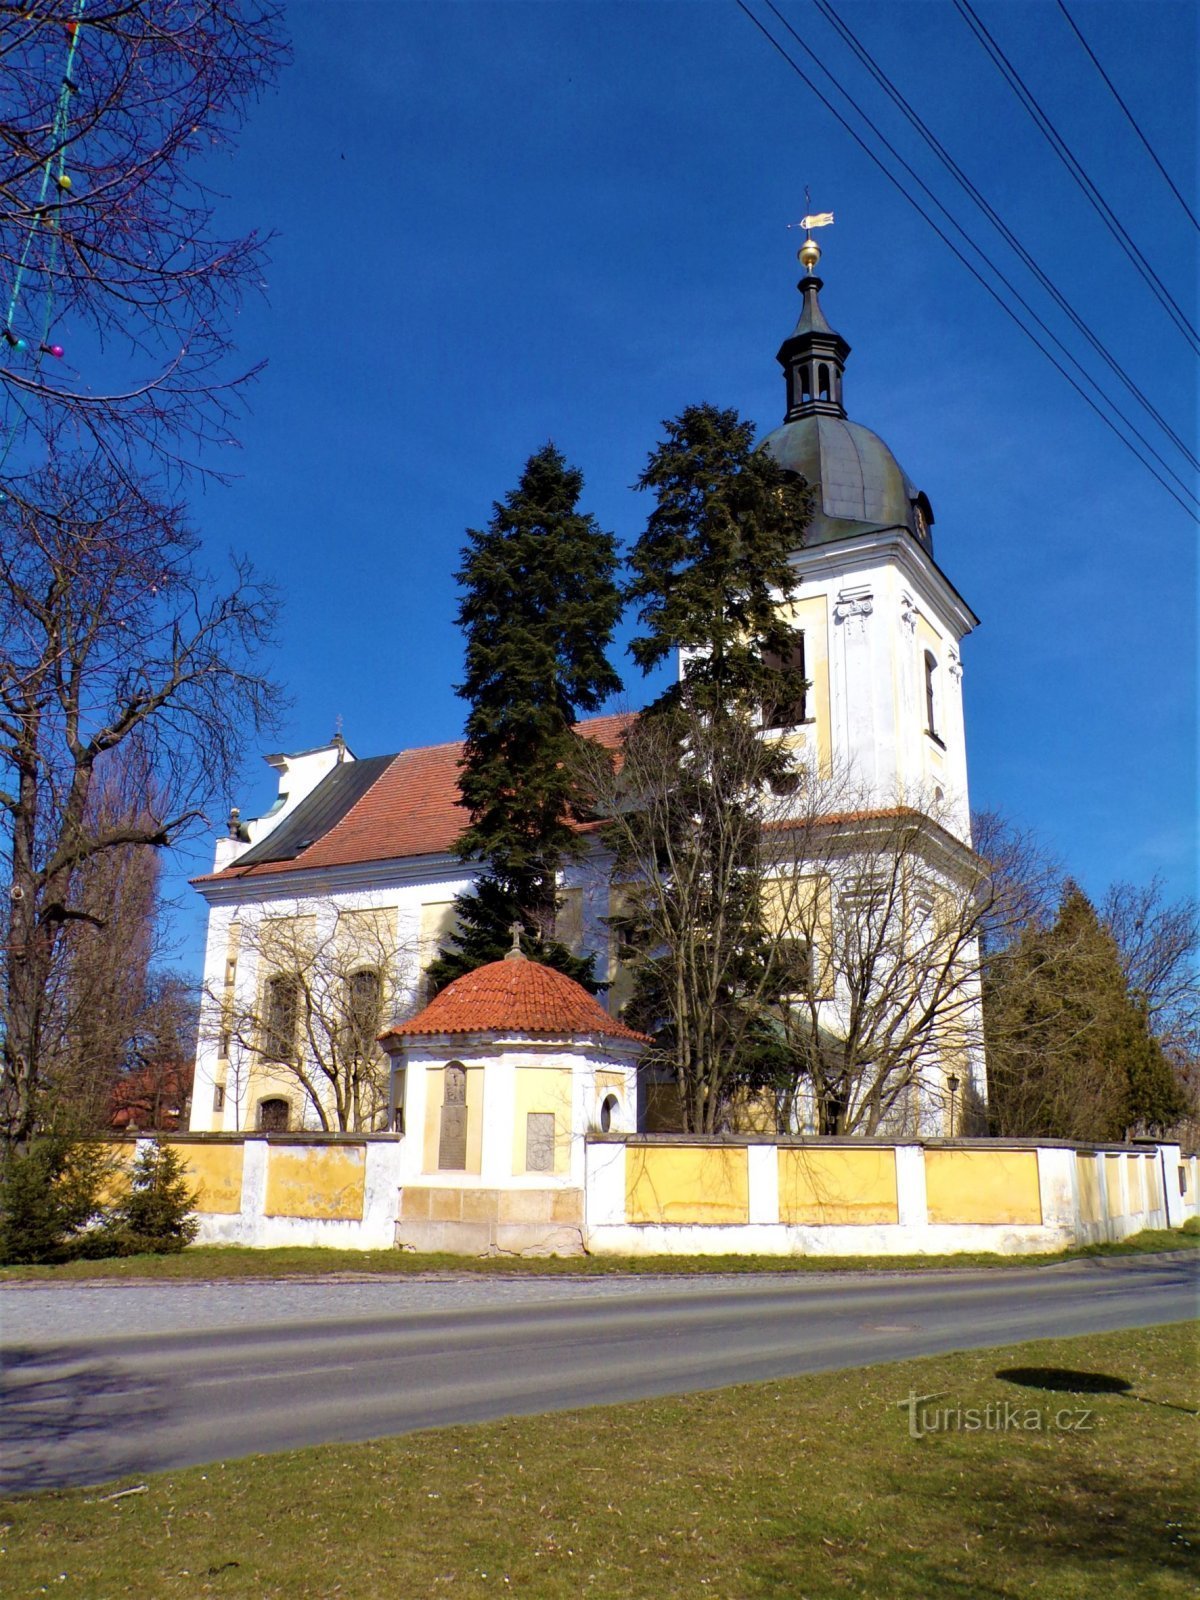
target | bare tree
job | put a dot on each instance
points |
(787, 933)
(1159, 945)
(99, 986)
(322, 986)
(111, 638)
(112, 118)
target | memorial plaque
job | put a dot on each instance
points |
(452, 1147)
(539, 1141)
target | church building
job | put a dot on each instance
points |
(325, 911)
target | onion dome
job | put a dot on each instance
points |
(859, 486)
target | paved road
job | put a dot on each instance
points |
(302, 1364)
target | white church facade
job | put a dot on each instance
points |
(327, 909)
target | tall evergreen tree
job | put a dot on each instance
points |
(711, 572)
(1070, 1051)
(711, 577)
(540, 605)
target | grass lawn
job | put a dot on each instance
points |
(234, 1261)
(807, 1488)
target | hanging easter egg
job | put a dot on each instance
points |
(55, 350)
(64, 180)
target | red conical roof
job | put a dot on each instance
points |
(514, 996)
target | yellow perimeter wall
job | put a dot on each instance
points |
(1088, 1170)
(837, 1186)
(982, 1186)
(316, 1183)
(669, 1184)
(215, 1172)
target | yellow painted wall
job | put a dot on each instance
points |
(1152, 1173)
(609, 1080)
(810, 615)
(982, 1186)
(318, 1182)
(1088, 1170)
(114, 1185)
(837, 1186)
(1134, 1170)
(475, 1119)
(435, 1092)
(665, 1183)
(542, 1089)
(801, 906)
(1112, 1177)
(215, 1172)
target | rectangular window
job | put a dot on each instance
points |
(931, 695)
(219, 1097)
(539, 1141)
(785, 704)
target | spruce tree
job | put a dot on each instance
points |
(1070, 1052)
(540, 605)
(712, 571)
(711, 578)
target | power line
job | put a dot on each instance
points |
(1097, 201)
(1005, 231)
(1132, 120)
(949, 243)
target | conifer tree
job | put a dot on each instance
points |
(711, 577)
(712, 571)
(540, 605)
(1070, 1051)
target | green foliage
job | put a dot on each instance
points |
(539, 609)
(1070, 1052)
(713, 567)
(485, 919)
(52, 1198)
(154, 1216)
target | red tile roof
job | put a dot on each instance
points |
(411, 809)
(514, 996)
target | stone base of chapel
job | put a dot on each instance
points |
(470, 1221)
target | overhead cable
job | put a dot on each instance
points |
(949, 243)
(1132, 120)
(1060, 147)
(1012, 240)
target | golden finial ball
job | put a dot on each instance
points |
(809, 254)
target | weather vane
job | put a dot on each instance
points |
(809, 252)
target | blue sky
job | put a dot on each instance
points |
(498, 224)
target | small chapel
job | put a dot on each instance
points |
(345, 889)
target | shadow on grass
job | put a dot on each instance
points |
(1064, 1380)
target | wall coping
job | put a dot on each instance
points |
(253, 1136)
(855, 1142)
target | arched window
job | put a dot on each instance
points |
(805, 383)
(452, 1145)
(281, 1013)
(610, 1108)
(364, 991)
(274, 1115)
(823, 382)
(931, 694)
